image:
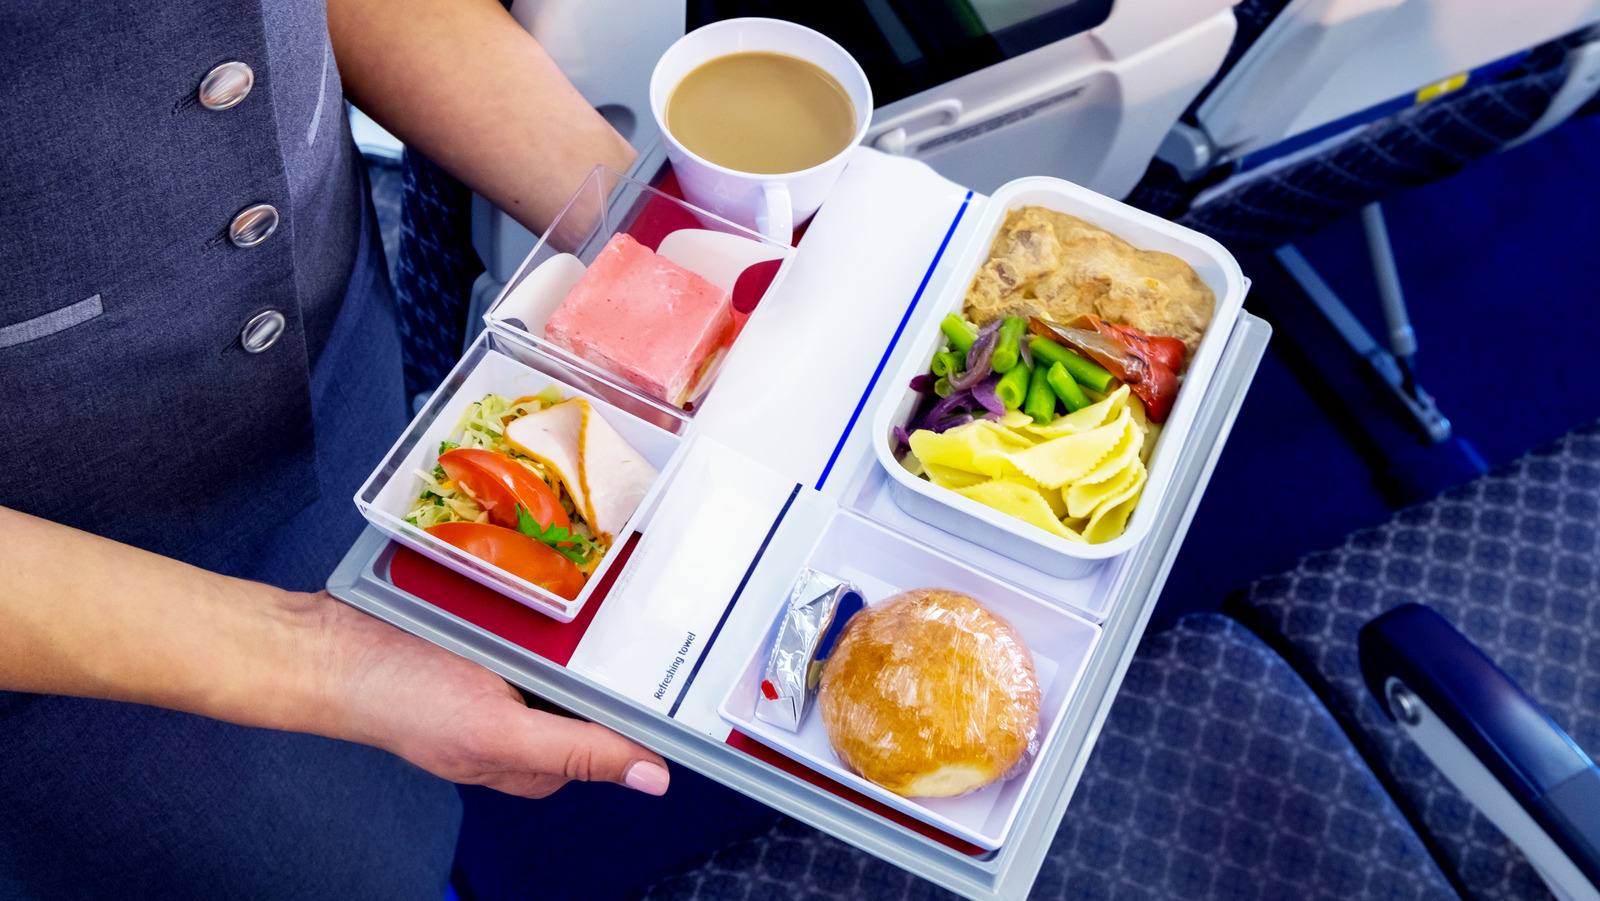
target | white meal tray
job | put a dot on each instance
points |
(780, 460)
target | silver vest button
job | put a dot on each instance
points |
(254, 225)
(226, 86)
(262, 331)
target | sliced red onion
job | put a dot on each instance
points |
(948, 407)
(980, 348)
(958, 400)
(979, 361)
(1025, 347)
(902, 438)
(985, 394)
(923, 384)
(939, 424)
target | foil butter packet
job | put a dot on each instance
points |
(818, 607)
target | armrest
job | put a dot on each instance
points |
(1493, 741)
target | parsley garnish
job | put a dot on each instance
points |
(574, 547)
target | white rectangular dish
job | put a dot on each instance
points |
(882, 564)
(386, 497)
(1000, 532)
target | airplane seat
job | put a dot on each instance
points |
(1245, 757)
(1490, 740)
(1162, 190)
(1512, 560)
(1218, 775)
(1250, 205)
(1323, 109)
(1410, 148)
(434, 273)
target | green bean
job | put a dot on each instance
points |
(1084, 371)
(1013, 387)
(1041, 401)
(948, 363)
(960, 332)
(1065, 388)
(1006, 353)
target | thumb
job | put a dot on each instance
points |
(574, 749)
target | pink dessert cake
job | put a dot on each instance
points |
(644, 318)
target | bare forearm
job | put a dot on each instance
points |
(82, 615)
(461, 82)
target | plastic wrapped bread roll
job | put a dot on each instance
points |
(928, 694)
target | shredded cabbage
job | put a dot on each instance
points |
(482, 425)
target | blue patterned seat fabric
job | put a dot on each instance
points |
(1511, 560)
(1218, 775)
(434, 269)
(1416, 146)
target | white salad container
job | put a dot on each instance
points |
(989, 527)
(494, 365)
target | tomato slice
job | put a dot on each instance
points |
(499, 484)
(515, 553)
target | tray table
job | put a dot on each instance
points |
(876, 251)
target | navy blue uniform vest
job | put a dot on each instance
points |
(129, 403)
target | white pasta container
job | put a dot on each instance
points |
(989, 527)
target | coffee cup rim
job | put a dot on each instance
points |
(659, 99)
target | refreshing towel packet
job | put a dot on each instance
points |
(819, 605)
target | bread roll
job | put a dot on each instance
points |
(930, 695)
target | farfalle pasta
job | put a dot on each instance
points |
(1078, 476)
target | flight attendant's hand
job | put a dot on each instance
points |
(458, 720)
(84, 616)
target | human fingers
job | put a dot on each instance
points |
(458, 720)
(541, 751)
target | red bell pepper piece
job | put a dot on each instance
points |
(1129, 354)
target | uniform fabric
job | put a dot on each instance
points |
(139, 416)
(151, 412)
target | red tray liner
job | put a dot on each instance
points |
(659, 219)
(756, 749)
(488, 609)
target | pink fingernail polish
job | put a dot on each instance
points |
(647, 777)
